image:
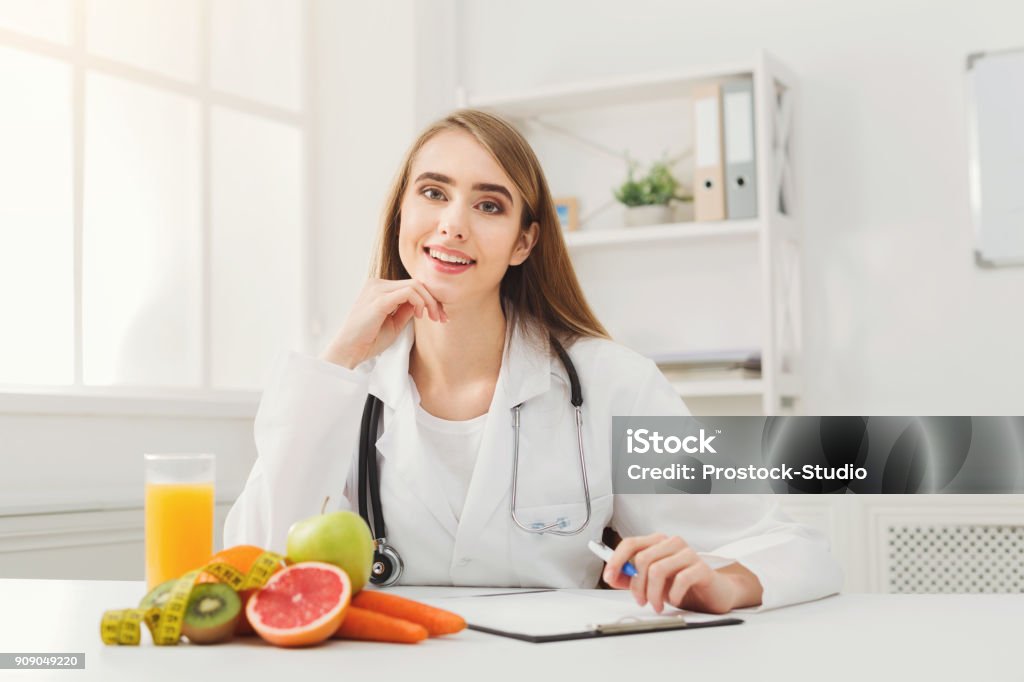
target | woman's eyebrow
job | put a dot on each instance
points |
(487, 187)
(479, 187)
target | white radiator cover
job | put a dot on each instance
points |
(955, 558)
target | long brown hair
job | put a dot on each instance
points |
(540, 295)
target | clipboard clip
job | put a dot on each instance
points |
(633, 624)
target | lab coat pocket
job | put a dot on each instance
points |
(552, 560)
(563, 517)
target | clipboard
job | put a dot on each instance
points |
(542, 616)
(616, 629)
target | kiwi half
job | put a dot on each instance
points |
(159, 595)
(212, 613)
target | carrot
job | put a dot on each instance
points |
(436, 621)
(371, 626)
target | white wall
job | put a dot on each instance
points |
(364, 102)
(897, 317)
(380, 74)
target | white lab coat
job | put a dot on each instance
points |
(307, 432)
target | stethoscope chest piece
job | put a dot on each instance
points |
(387, 565)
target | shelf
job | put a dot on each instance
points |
(672, 232)
(130, 402)
(608, 92)
(716, 388)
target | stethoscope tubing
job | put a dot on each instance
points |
(550, 528)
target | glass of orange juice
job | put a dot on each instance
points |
(179, 515)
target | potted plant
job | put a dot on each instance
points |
(647, 199)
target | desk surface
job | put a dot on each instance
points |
(851, 636)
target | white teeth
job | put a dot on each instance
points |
(447, 258)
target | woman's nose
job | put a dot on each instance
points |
(452, 222)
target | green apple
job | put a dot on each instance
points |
(341, 538)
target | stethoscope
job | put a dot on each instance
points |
(387, 562)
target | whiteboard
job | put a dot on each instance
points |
(995, 95)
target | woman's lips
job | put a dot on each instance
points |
(447, 268)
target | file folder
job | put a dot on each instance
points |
(740, 154)
(708, 172)
(995, 93)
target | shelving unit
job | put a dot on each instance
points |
(774, 235)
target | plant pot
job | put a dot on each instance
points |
(682, 212)
(656, 214)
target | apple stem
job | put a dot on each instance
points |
(325, 504)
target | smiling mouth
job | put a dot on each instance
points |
(441, 257)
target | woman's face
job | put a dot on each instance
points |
(460, 216)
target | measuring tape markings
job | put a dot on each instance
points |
(122, 626)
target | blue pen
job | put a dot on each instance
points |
(605, 553)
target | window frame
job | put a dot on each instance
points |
(205, 400)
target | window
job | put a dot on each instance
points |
(153, 162)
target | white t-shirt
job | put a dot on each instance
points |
(451, 449)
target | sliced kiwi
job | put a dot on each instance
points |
(159, 595)
(212, 613)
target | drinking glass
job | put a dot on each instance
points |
(179, 515)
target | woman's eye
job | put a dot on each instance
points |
(433, 193)
(490, 207)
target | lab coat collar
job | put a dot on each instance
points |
(390, 378)
(390, 381)
(525, 368)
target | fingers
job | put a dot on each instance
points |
(389, 304)
(644, 562)
(618, 581)
(685, 579)
(624, 552)
(666, 569)
(432, 306)
(383, 308)
(663, 572)
(401, 316)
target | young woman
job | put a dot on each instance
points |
(473, 296)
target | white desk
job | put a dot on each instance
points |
(848, 637)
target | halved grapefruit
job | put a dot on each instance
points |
(300, 605)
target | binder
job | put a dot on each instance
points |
(740, 154)
(546, 615)
(995, 149)
(708, 172)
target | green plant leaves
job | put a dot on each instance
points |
(658, 187)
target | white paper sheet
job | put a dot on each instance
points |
(557, 612)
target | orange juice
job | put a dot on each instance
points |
(179, 529)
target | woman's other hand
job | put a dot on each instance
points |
(671, 572)
(381, 311)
